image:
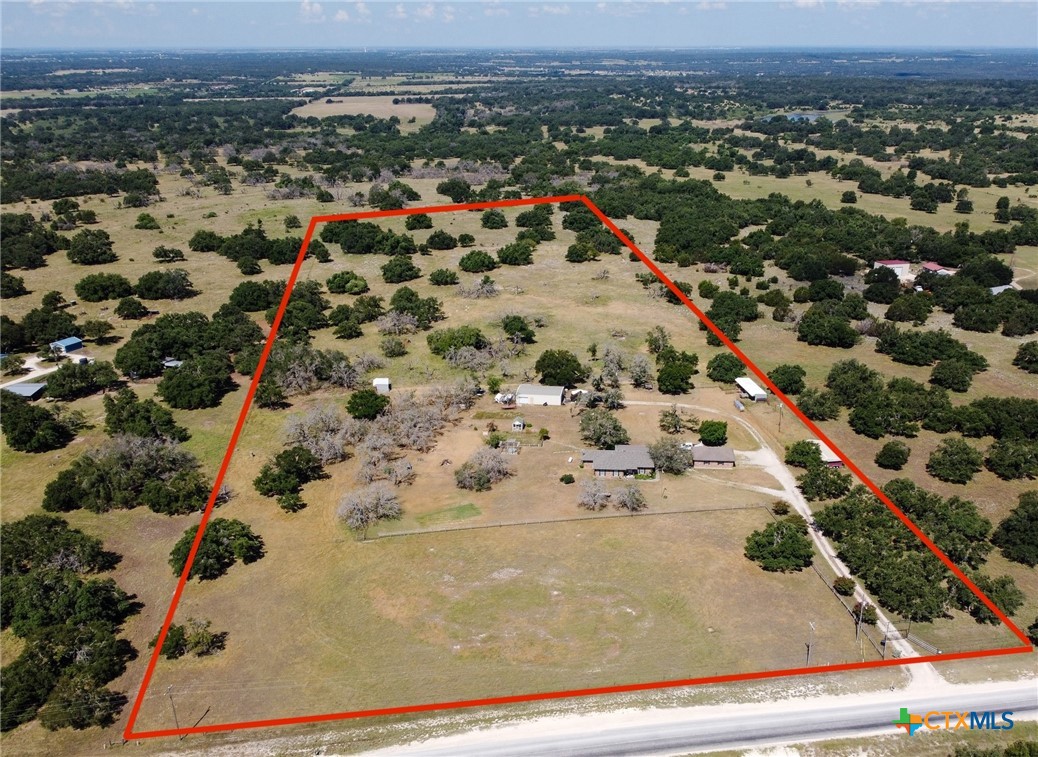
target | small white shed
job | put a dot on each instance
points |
(382, 385)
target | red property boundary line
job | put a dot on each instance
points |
(129, 733)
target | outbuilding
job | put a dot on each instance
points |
(748, 388)
(829, 458)
(939, 269)
(900, 267)
(535, 394)
(66, 345)
(712, 457)
(624, 461)
(28, 390)
(518, 423)
(382, 385)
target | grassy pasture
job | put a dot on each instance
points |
(381, 106)
(301, 547)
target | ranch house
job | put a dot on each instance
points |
(626, 461)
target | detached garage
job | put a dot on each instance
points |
(535, 394)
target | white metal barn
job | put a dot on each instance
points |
(535, 394)
(748, 388)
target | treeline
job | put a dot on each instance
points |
(69, 620)
(28, 179)
(897, 568)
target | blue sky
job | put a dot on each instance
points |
(701, 23)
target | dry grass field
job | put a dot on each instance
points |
(327, 623)
(380, 106)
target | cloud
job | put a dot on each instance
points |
(624, 9)
(707, 5)
(399, 12)
(548, 9)
(447, 13)
(311, 12)
(425, 11)
(495, 9)
(362, 9)
(808, 3)
(342, 16)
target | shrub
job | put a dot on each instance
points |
(441, 240)
(223, 543)
(788, 378)
(517, 253)
(725, 368)
(366, 404)
(493, 219)
(477, 261)
(443, 277)
(954, 461)
(146, 222)
(418, 221)
(1027, 357)
(98, 287)
(130, 308)
(783, 546)
(560, 368)
(713, 433)
(844, 586)
(1017, 535)
(399, 269)
(567, 478)
(893, 455)
(803, 454)
(347, 282)
(485, 468)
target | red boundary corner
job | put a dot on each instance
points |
(129, 733)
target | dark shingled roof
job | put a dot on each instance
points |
(624, 457)
(704, 454)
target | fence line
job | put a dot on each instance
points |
(544, 521)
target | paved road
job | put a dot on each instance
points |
(662, 732)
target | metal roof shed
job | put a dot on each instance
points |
(748, 387)
(28, 390)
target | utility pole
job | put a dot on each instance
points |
(810, 642)
(169, 693)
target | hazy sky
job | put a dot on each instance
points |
(702, 23)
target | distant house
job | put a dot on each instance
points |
(382, 385)
(624, 461)
(900, 267)
(713, 457)
(518, 424)
(1003, 288)
(748, 388)
(829, 458)
(29, 391)
(172, 363)
(66, 345)
(535, 394)
(939, 269)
